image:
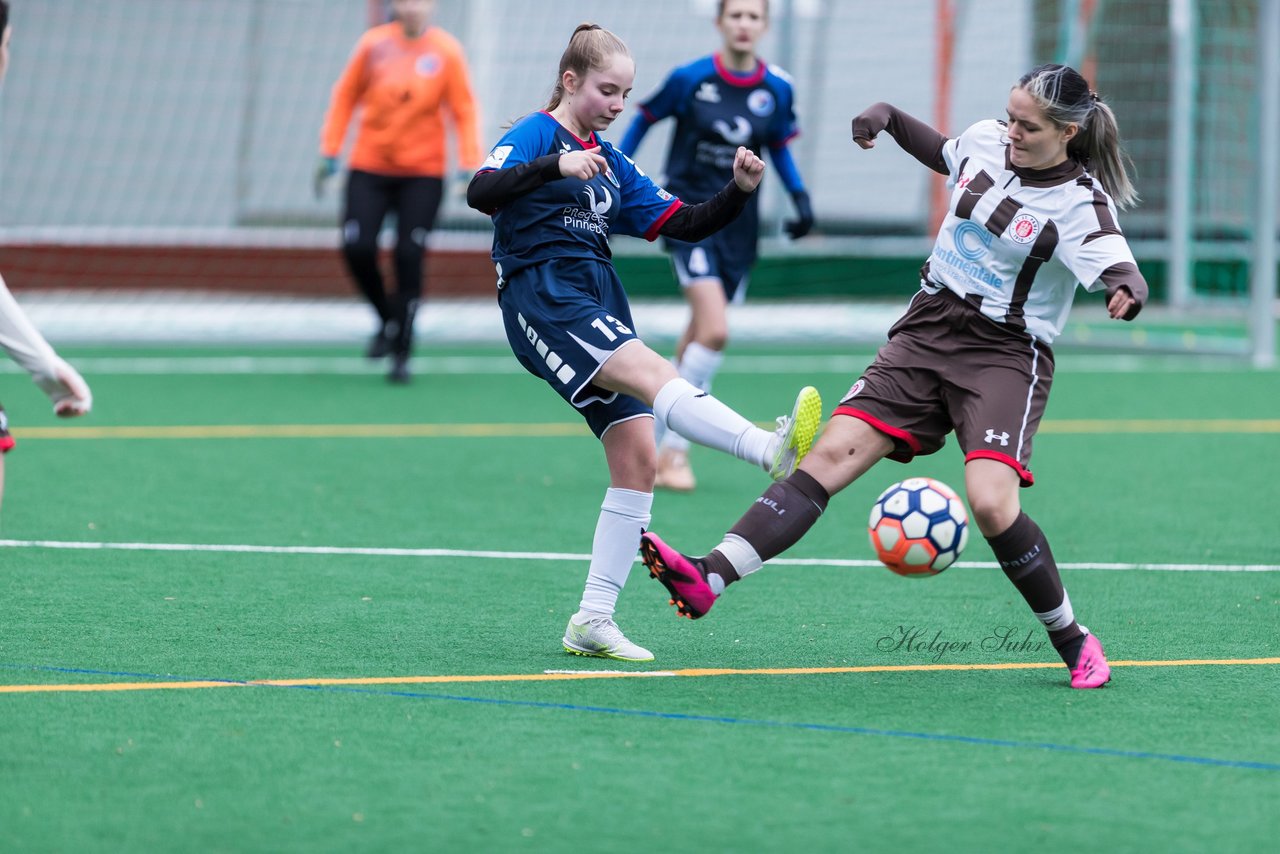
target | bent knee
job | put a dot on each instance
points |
(993, 510)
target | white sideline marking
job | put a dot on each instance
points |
(564, 556)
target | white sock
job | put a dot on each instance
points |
(698, 365)
(623, 515)
(1060, 617)
(701, 418)
(660, 430)
(744, 559)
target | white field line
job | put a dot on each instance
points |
(563, 556)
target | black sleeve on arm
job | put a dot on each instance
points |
(914, 136)
(1126, 275)
(696, 222)
(489, 191)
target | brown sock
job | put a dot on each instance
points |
(1027, 561)
(775, 522)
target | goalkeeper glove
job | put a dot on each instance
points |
(326, 168)
(803, 223)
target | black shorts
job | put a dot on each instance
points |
(948, 367)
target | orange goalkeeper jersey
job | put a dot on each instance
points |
(403, 87)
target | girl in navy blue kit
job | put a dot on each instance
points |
(719, 102)
(556, 191)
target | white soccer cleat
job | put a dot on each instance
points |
(599, 636)
(795, 434)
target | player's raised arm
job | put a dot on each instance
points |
(918, 139)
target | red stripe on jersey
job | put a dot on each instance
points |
(1024, 474)
(652, 234)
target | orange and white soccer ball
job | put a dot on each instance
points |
(918, 527)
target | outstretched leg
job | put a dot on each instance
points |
(774, 523)
(640, 372)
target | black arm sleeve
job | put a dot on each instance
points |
(1126, 275)
(696, 222)
(490, 190)
(914, 136)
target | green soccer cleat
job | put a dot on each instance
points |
(795, 434)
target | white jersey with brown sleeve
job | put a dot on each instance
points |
(21, 340)
(1015, 242)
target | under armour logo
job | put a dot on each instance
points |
(992, 436)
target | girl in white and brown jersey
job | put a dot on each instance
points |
(1032, 215)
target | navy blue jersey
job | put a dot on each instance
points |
(716, 111)
(569, 217)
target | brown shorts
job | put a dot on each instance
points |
(6, 441)
(947, 367)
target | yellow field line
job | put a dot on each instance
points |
(437, 431)
(305, 431)
(1163, 425)
(557, 676)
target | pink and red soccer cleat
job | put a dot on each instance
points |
(682, 577)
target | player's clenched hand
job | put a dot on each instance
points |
(747, 169)
(868, 124)
(1121, 303)
(585, 164)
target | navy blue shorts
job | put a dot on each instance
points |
(719, 256)
(564, 319)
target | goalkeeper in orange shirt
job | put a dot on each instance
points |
(65, 387)
(404, 76)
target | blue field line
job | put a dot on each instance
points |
(692, 718)
(814, 727)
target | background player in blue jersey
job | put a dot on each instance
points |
(556, 192)
(719, 102)
(1032, 216)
